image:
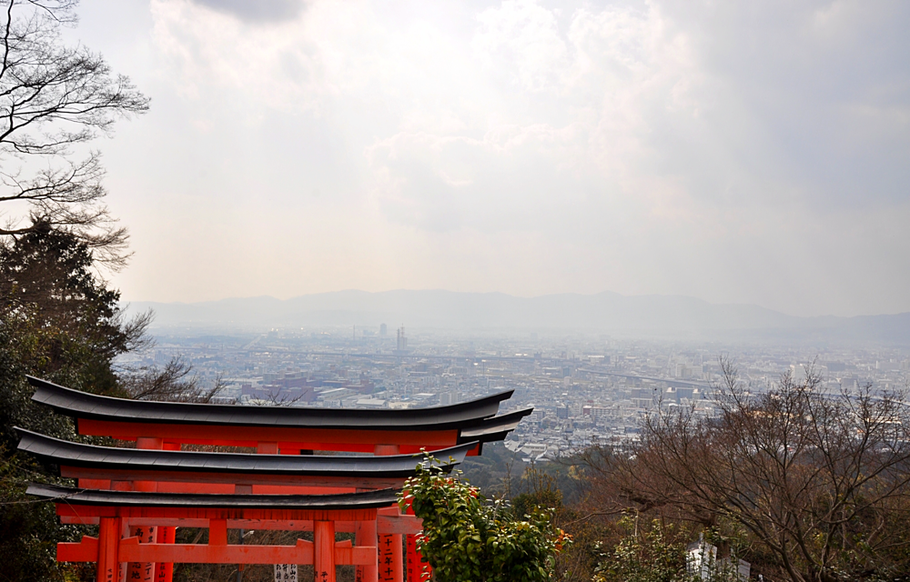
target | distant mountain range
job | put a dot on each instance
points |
(649, 315)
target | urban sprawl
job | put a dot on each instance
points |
(585, 389)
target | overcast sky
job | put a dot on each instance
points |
(739, 152)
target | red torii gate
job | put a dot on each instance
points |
(113, 510)
(154, 490)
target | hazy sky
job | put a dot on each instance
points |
(742, 152)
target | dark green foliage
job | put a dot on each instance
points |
(46, 275)
(57, 321)
(29, 348)
(29, 532)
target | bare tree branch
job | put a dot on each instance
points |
(52, 98)
(820, 480)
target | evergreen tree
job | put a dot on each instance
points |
(61, 322)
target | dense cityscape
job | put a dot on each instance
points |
(585, 389)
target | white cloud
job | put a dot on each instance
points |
(527, 36)
(659, 146)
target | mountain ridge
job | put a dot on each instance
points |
(606, 312)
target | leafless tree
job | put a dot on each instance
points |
(174, 382)
(53, 100)
(818, 481)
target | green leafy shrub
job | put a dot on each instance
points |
(469, 538)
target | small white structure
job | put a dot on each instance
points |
(701, 560)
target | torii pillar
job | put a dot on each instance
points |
(391, 568)
(147, 571)
(324, 551)
(108, 549)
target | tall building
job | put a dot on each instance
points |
(402, 344)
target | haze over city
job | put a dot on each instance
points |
(733, 152)
(271, 269)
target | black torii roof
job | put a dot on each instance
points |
(71, 496)
(495, 428)
(61, 452)
(479, 414)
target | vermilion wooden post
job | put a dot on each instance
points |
(217, 532)
(142, 571)
(366, 536)
(418, 570)
(124, 533)
(324, 558)
(145, 571)
(384, 548)
(397, 559)
(165, 571)
(108, 548)
(390, 557)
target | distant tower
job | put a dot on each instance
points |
(402, 344)
(383, 330)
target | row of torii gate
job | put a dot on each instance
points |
(139, 496)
